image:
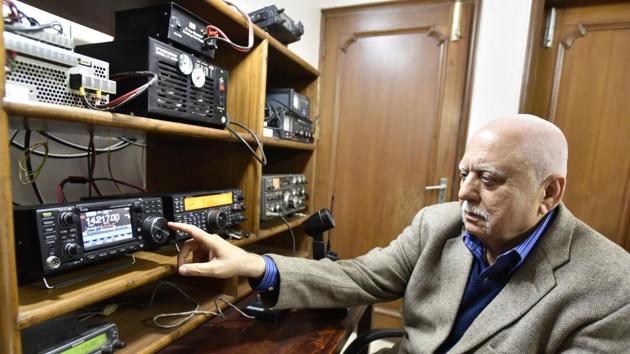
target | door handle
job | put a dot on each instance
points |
(441, 188)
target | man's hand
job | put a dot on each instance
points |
(214, 256)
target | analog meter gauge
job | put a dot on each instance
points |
(185, 64)
(198, 77)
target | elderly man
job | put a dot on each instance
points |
(508, 269)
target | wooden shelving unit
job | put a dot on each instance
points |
(287, 144)
(178, 157)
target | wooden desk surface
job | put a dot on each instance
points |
(302, 331)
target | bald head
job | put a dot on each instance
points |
(539, 143)
(513, 173)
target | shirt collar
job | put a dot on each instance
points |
(521, 251)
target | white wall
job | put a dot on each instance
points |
(500, 59)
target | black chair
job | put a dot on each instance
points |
(360, 343)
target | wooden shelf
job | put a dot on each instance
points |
(274, 229)
(198, 159)
(268, 141)
(37, 304)
(136, 327)
(43, 116)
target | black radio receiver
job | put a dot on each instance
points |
(211, 211)
(53, 239)
(188, 88)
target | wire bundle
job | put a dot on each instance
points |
(214, 32)
(125, 98)
(29, 175)
(14, 21)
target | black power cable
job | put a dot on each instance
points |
(29, 168)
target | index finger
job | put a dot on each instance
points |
(194, 231)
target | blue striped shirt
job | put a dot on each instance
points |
(518, 253)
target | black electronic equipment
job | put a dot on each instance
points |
(282, 194)
(290, 99)
(188, 89)
(278, 24)
(70, 336)
(169, 23)
(54, 239)
(283, 124)
(211, 211)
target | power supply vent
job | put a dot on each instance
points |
(172, 87)
(202, 100)
(47, 82)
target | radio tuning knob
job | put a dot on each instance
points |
(217, 220)
(293, 202)
(67, 218)
(155, 229)
(71, 250)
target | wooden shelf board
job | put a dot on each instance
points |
(37, 304)
(136, 327)
(279, 228)
(268, 141)
(43, 116)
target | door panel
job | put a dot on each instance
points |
(387, 109)
(587, 79)
(392, 96)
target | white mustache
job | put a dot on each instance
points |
(475, 210)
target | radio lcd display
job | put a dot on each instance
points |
(104, 227)
(207, 201)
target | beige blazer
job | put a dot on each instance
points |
(572, 293)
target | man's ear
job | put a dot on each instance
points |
(553, 191)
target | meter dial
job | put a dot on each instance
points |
(185, 64)
(198, 77)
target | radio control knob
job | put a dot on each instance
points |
(137, 206)
(294, 202)
(53, 262)
(155, 229)
(217, 220)
(67, 218)
(71, 250)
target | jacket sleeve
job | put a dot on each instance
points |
(380, 275)
(607, 335)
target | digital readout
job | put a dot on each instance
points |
(93, 345)
(207, 201)
(104, 227)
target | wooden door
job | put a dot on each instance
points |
(393, 92)
(582, 84)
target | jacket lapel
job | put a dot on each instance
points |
(527, 286)
(453, 271)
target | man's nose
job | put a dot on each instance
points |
(469, 189)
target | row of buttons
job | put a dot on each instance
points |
(122, 250)
(152, 206)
